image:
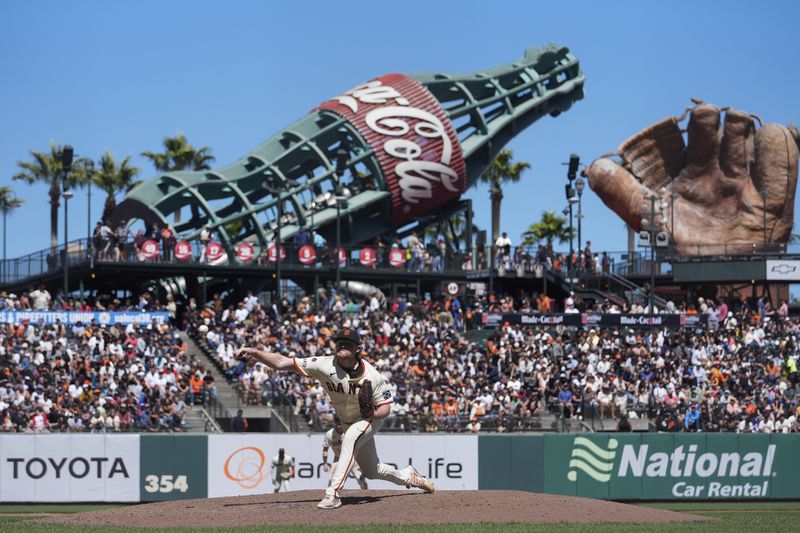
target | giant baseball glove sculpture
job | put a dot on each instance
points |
(718, 178)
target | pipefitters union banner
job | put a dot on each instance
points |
(69, 468)
(415, 143)
(594, 320)
(668, 467)
(240, 464)
(84, 317)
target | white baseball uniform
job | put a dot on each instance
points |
(333, 441)
(282, 472)
(358, 442)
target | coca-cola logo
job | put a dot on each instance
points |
(414, 141)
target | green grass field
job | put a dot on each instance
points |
(723, 517)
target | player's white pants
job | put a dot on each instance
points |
(276, 483)
(358, 443)
(357, 473)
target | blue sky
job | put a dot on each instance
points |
(122, 75)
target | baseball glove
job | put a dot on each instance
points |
(365, 402)
(709, 190)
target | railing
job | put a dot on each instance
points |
(287, 417)
(525, 261)
(727, 251)
(210, 424)
(633, 293)
(217, 410)
(43, 261)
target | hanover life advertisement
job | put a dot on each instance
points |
(667, 467)
(240, 464)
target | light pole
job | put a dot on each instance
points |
(278, 250)
(579, 185)
(66, 165)
(276, 192)
(572, 174)
(655, 237)
(341, 166)
(672, 196)
(89, 166)
(763, 193)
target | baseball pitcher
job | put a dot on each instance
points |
(362, 400)
(333, 441)
(282, 470)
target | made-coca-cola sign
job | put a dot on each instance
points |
(413, 140)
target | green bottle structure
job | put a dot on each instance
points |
(397, 147)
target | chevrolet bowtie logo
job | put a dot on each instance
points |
(784, 268)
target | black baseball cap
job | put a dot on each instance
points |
(347, 334)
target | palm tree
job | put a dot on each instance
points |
(113, 179)
(549, 227)
(502, 170)
(8, 202)
(178, 154)
(46, 168)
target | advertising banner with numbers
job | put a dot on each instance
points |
(173, 467)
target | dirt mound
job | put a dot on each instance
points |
(373, 507)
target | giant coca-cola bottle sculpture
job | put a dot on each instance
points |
(396, 147)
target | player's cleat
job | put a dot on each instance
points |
(417, 481)
(330, 502)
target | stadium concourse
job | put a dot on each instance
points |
(738, 374)
(90, 377)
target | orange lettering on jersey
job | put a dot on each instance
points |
(339, 388)
(353, 388)
(330, 386)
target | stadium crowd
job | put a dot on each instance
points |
(737, 374)
(91, 377)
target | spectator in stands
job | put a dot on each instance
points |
(239, 422)
(196, 384)
(203, 240)
(692, 421)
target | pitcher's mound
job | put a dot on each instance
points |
(374, 507)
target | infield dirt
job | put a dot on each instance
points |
(373, 507)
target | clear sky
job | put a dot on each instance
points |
(123, 75)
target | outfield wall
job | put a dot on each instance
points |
(646, 466)
(650, 466)
(128, 468)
